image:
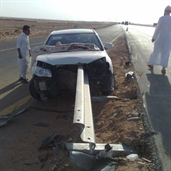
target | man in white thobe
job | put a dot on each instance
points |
(24, 54)
(162, 42)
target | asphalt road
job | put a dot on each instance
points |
(155, 88)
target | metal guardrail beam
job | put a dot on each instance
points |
(83, 154)
(118, 149)
(83, 108)
(79, 98)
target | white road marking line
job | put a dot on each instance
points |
(117, 37)
(16, 105)
(3, 50)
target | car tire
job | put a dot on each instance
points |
(32, 90)
(109, 86)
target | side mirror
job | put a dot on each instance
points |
(36, 49)
(108, 45)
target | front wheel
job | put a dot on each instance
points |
(108, 85)
(32, 90)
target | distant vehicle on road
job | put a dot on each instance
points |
(126, 22)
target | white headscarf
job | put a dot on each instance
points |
(168, 8)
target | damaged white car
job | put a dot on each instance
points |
(55, 68)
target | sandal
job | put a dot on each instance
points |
(163, 71)
(151, 66)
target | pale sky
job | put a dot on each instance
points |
(135, 11)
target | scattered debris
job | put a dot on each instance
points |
(43, 159)
(120, 160)
(142, 163)
(52, 141)
(103, 98)
(22, 110)
(149, 161)
(132, 157)
(6, 120)
(133, 118)
(129, 75)
(106, 153)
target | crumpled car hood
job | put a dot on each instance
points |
(63, 58)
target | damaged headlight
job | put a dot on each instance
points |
(41, 72)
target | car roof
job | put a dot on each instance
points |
(69, 31)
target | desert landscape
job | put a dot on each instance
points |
(117, 121)
(10, 28)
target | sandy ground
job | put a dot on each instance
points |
(116, 120)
